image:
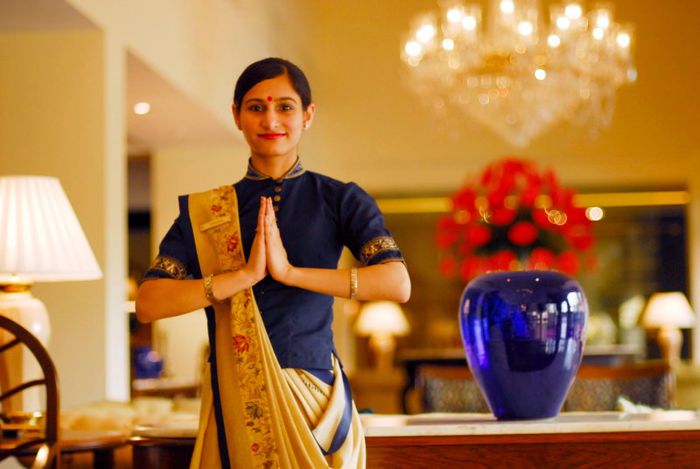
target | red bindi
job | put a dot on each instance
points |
(269, 98)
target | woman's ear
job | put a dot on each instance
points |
(236, 116)
(309, 115)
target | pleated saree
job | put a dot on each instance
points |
(254, 413)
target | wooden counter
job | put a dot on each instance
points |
(606, 439)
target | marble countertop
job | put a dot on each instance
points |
(486, 424)
(436, 424)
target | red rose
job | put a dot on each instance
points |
(502, 216)
(447, 231)
(569, 263)
(478, 235)
(215, 208)
(522, 233)
(503, 260)
(496, 198)
(540, 217)
(471, 267)
(464, 200)
(541, 258)
(254, 447)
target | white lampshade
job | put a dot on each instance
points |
(668, 309)
(382, 317)
(40, 237)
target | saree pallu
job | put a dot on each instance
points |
(254, 413)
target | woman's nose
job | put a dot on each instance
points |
(270, 120)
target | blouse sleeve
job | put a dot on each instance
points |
(174, 258)
(363, 229)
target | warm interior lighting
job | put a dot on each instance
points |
(668, 312)
(142, 108)
(40, 241)
(595, 213)
(493, 70)
(382, 321)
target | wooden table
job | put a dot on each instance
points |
(101, 443)
(605, 439)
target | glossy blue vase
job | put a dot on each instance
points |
(523, 333)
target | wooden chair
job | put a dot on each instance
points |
(44, 443)
(451, 388)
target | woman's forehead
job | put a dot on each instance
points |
(272, 89)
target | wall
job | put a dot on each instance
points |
(53, 121)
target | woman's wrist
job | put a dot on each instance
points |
(288, 276)
(250, 278)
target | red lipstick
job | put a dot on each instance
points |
(271, 136)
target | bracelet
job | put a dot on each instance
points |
(353, 283)
(208, 292)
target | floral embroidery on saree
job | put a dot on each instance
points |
(244, 334)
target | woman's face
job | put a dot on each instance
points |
(272, 118)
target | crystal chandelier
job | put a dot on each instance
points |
(518, 75)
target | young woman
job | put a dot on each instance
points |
(261, 256)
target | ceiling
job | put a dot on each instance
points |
(175, 118)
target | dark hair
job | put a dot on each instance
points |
(270, 68)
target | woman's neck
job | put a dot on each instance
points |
(274, 167)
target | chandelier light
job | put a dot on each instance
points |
(516, 74)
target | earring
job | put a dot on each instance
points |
(307, 124)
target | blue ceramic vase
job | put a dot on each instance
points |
(523, 334)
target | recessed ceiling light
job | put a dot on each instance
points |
(142, 108)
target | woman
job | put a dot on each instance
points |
(261, 256)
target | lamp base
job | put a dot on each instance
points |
(17, 365)
(383, 347)
(670, 340)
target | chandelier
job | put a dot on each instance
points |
(516, 74)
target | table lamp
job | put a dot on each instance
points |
(40, 241)
(669, 312)
(381, 321)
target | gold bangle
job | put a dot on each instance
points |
(208, 292)
(353, 283)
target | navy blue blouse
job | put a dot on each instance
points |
(316, 216)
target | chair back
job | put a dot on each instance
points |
(597, 388)
(45, 443)
(449, 388)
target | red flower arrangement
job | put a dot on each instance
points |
(514, 218)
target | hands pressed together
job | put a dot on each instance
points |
(267, 254)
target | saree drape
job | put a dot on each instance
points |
(254, 413)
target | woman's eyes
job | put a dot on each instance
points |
(262, 108)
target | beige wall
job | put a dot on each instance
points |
(52, 122)
(198, 46)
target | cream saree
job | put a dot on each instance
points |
(267, 416)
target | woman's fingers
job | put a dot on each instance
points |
(261, 217)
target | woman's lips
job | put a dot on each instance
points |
(271, 136)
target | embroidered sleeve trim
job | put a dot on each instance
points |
(377, 246)
(170, 266)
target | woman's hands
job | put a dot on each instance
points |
(276, 256)
(267, 254)
(256, 267)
